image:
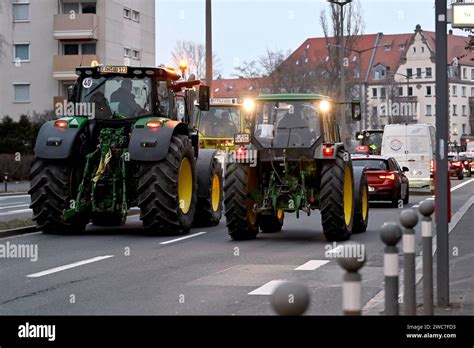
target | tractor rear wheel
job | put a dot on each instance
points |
(209, 208)
(361, 201)
(53, 187)
(336, 198)
(271, 223)
(241, 219)
(167, 189)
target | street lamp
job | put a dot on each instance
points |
(183, 66)
(341, 4)
(359, 57)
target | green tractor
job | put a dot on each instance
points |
(216, 127)
(121, 145)
(294, 161)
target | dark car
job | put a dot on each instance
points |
(456, 167)
(387, 181)
(467, 165)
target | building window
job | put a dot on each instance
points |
(464, 110)
(126, 52)
(374, 92)
(464, 73)
(422, 49)
(21, 11)
(70, 7)
(401, 47)
(409, 73)
(429, 72)
(22, 52)
(71, 49)
(136, 16)
(455, 90)
(21, 93)
(414, 49)
(374, 111)
(463, 91)
(455, 129)
(88, 7)
(428, 90)
(428, 110)
(400, 91)
(418, 73)
(410, 91)
(136, 54)
(89, 48)
(472, 74)
(455, 110)
(382, 93)
(464, 130)
(472, 91)
(388, 47)
(127, 13)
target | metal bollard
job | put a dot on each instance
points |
(351, 287)
(5, 179)
(290, 298)
(409, 219)
(391, 235)
(426, 209)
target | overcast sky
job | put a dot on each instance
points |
(244, 29)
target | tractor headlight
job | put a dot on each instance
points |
(249, 105)
(324, 106)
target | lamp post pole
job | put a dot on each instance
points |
(209, 45)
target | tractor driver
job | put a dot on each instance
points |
(223, 126)
(127, 105)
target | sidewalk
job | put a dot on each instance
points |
(461, 270)
(14, 187)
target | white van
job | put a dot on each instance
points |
(413, 146)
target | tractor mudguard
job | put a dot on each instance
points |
(203, 168)
(152, 144)
(56, 142)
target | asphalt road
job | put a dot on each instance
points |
(124, 271)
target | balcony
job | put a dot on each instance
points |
(64, 67)
(81, 26)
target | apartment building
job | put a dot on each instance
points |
(43, 41)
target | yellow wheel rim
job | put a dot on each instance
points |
(280, 214)
(365, 204)
(348, 199)
(216, 192)
(185, 185)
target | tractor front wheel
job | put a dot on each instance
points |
(209, 206)
(167, 189)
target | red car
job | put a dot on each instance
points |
(387, 181)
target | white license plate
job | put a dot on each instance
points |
(371, 189)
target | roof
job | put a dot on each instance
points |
(291, 96)
(238, 87)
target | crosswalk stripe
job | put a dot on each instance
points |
(311, 265)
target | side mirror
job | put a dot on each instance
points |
(405, 169)
(72, 92)
(203, 98)
(356, 111)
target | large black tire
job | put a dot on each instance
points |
(469, 173)
(336, 183)
(461, 175)
(241, 221)
(270, 223)
(161, 208)
(406, 200)
(361, 201)
(53, 184)
(209, 208)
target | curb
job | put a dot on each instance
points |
(18, 231)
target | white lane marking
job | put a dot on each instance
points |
(182, 238)
(71, 265)
(430, 199)
(16, 212)
(15, 206)
(268, 288)
(10, 197)
(311, 265)
(461, 185)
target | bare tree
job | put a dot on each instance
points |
(194, 54)
(330, 65)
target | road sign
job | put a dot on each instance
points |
(463, 15)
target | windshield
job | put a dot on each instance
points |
(374, 139)
(287, 124)
(117, 97)
(220, 122)
(370, 164)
